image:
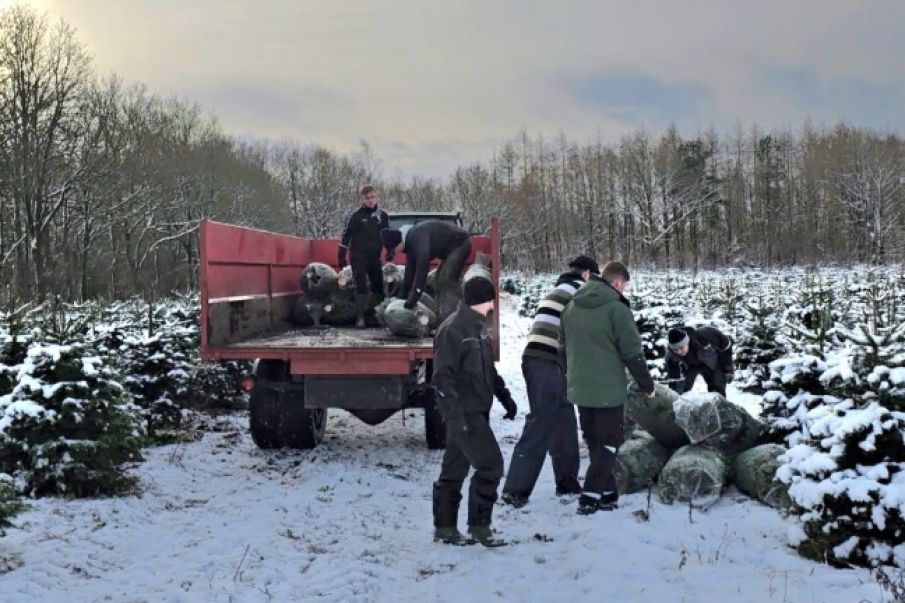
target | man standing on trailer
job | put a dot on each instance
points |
(362, 240)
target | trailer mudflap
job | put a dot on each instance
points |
(354, 391)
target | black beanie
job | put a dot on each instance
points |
(477, 290)
(583, 262)
(678, 338)
(390, 237)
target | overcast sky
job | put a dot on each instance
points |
(433, 84)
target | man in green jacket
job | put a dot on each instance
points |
(601, 342)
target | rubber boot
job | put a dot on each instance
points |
(361, 302)
(484, 535)
(452, 535)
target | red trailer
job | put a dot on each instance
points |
(249, 281)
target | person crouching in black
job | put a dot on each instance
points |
(465, 382)
(362, 238)
(703, 351)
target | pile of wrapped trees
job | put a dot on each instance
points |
(693, 446)
(328, 298)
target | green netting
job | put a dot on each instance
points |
(408, 323)
(693, 474)
(710, 419)
(655, 415)
(754, 473)
(638, 464)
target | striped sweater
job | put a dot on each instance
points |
(543, 340)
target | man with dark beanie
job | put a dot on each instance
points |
(550, 426)
(362, 239)
(703, 351)
(601, 342)
(465, 382)
(427, 241)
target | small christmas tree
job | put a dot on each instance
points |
(9, 502)
(66, 427)
(844, 473)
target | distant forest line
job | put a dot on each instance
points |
(103, 183)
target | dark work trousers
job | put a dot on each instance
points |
(602, 430)
(479, 449)
(446, 281)
(549, 427)
(366, 269)
(716, 380)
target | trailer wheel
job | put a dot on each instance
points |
(434, 426)
(300, 427)
(264, 418)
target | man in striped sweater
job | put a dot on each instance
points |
(550, 426)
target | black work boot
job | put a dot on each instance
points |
(515, 500)
(452, 535)
(588, 505)
(484, 535)
(609, 501)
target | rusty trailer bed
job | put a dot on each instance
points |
(332, 351)
(334, 337)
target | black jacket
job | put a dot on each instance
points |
(362, 232)
(465, 378)
(424, 242)
(707, 348)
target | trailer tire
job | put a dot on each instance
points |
(434, 426)
(301, 428)
(264, 418)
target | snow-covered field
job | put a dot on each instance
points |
(220, 520)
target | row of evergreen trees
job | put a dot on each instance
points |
(84, 388)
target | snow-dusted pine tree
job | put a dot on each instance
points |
(65, 428)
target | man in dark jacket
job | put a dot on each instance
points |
(465, 382)
(601, 342)
(429, 240)
(550, 426)
(361, 238)
(703, 351)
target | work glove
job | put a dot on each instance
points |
(511, 408)
(341, 258)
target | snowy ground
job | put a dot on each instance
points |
(220, 520)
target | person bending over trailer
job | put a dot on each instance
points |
(426, 241)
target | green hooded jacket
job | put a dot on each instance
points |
(601, 342)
